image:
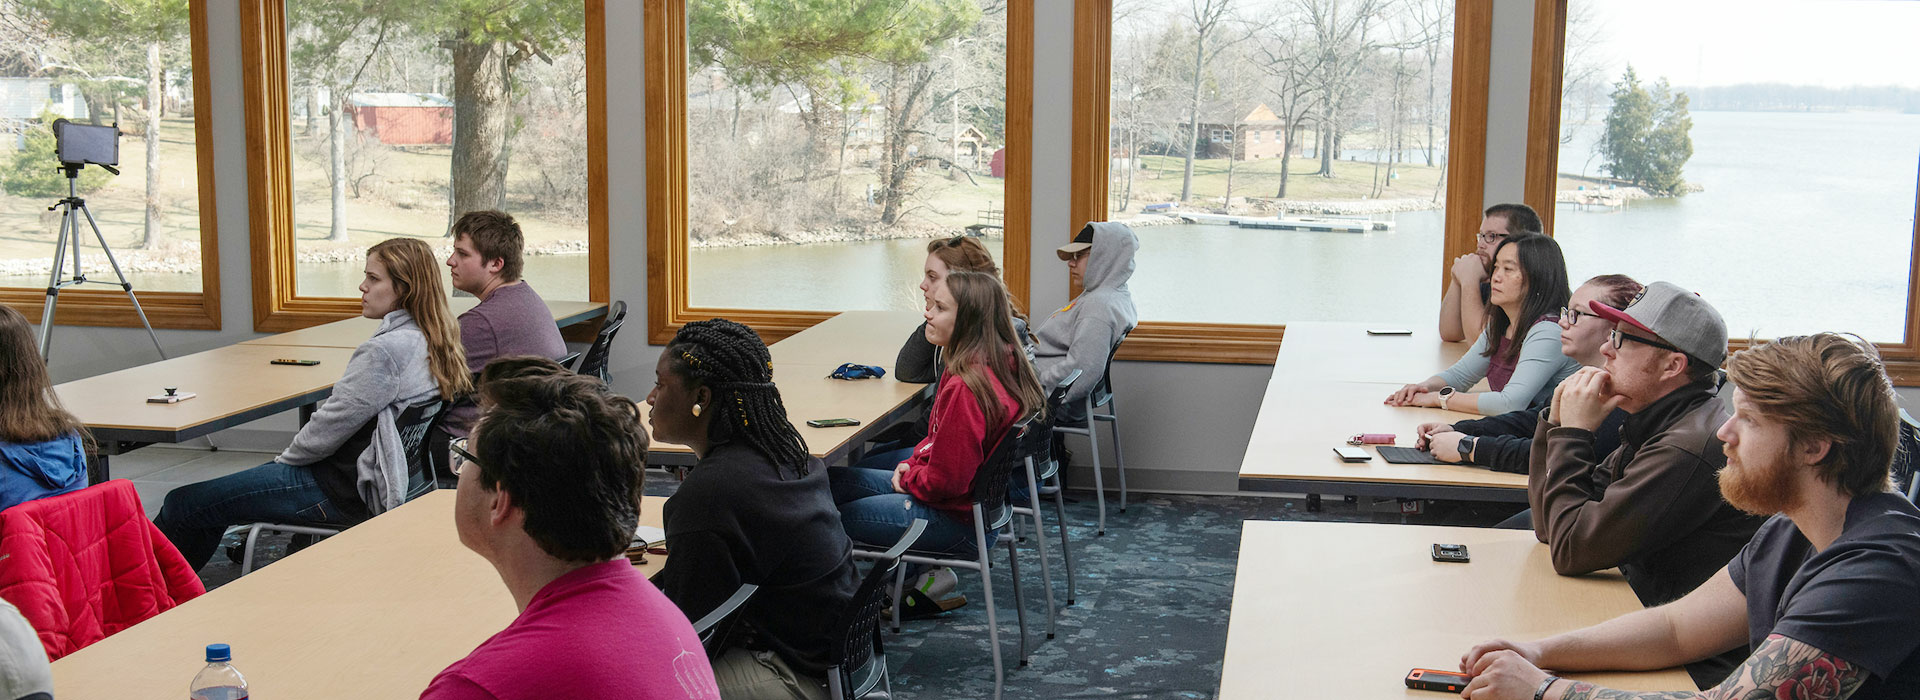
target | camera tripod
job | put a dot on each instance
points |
(73, 208)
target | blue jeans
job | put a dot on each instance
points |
(874, 514)
(196, 515)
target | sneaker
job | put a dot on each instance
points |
(919, 606)
(938, 583)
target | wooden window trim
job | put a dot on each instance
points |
(668, 302)
(277, 307)
(1162, 341)
(169, 310)
(1543, 166)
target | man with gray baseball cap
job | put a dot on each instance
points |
(1653, 506)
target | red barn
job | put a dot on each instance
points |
(403, 118)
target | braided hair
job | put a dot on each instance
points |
(729, 359)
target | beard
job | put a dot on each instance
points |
(1758, 488)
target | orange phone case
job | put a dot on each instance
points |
(1430, 679)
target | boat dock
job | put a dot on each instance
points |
(1320, 224)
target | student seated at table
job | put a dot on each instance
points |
(1463, 307)
(1502, 442)
(1825, 593)
(919, 360)
(754, 509)
(986, 386)
(550, 494)
(43, 449)
(24, 671)
(347, 463)
(1082, 333)
(511, 319)
(1519, 352)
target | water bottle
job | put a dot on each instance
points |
(219, 680)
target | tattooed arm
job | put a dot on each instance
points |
(1781, 668)
(1710, 620)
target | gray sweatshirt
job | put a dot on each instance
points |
(1538, 370)
(387, 374)
(1079, 335)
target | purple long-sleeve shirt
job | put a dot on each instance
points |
(513, 320)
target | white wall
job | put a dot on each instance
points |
(1186, 424)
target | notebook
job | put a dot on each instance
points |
(1406, 455)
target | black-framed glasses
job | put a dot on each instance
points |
(460, 457)
(1618, 336)
(1490, 237)
(1572, 315)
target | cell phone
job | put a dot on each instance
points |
(1443, 681)
(1451, 552)
(832, 422)
(1389, 331)
(1352, 454)
(302, 363)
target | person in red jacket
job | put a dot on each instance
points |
(986, 386)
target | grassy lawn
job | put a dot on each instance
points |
(1159, 178)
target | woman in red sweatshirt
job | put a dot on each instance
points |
(987, 385)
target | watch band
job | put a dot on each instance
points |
(1471, 444)
(1541, 693)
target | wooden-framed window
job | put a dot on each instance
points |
(1777, 178)
(164, 235)
(901, 128)
(1423, 70)
(365, 124)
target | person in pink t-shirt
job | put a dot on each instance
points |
(550, 485)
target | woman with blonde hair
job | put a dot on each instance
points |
(347, 463)
(919, 360)
(42, 446)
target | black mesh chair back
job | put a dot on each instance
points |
(1906, 456)
(856, 639)
(1103, 392)
(415, 425)
(991, 479)
(595, 361)
(1038, 441)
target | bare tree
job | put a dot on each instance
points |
(1209, 17)
(1342, 32)
(1286, 55)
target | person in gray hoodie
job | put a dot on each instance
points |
(1080, 334)
(347, 463)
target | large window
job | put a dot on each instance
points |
(140, 67)
(802, 155)
(390, 119)
(1766, 160)
(1340, 213)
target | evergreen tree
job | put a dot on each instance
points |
(1646, 139)
(34, 171)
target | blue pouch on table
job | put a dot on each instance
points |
(854, 371)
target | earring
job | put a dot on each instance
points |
(696, 410)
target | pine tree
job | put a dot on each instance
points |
(1646, 139)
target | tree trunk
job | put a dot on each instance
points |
(337, 168)
(313, 109)
(150, 236)
(480, 116)
(1286, 156)
(1193, 114)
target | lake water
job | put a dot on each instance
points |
(1806, 224)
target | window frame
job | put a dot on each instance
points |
(165, 310)
(668, 300)
(1238, 343)
(1543, 167)
(277, 305)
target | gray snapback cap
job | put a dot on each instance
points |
(1678, 316)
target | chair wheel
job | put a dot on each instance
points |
(1050, 634)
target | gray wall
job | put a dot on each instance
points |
(1186, 424)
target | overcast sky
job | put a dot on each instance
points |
(1720, 42)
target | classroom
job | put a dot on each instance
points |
(1548, 349)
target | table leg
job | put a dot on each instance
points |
(1313, 503)
(306, 414)
(97, 470)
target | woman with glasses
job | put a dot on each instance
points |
(1463, 307)
(1518, 353)
(1502, 442)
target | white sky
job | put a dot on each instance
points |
(1832, 43)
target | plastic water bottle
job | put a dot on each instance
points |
(219, 680)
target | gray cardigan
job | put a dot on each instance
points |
(1539, 370)
(387, 374)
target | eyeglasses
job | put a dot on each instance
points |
(460, 457)
(1617, 336)
(1490, 237)
(1572, 315)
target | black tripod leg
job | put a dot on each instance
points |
(124, 285)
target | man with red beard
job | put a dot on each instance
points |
(1827, 592)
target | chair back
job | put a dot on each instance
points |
(595, 361)
(1906, 456)
(1103, 392)
(856, 634)
(714, 626)
(1038, 441)
(416, 424)
(990, 480)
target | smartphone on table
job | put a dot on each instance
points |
(832, 422)
(1443, 681)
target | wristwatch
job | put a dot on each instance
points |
(1446, 392)
(1467, 444)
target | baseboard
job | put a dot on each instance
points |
(1182, 481)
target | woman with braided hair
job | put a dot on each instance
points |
(986, 386)
(754, 509)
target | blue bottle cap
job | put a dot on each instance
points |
(219, 652)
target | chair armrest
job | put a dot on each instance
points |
(733, 603)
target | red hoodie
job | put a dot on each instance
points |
(940, 472)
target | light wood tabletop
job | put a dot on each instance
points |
(1345, 352)
(1345, 610)
(808, 394)
(374, 612)
(351, 332)
(232, 384)
(862, 337)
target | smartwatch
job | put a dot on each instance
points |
(1466, 448)
(1446, 392)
